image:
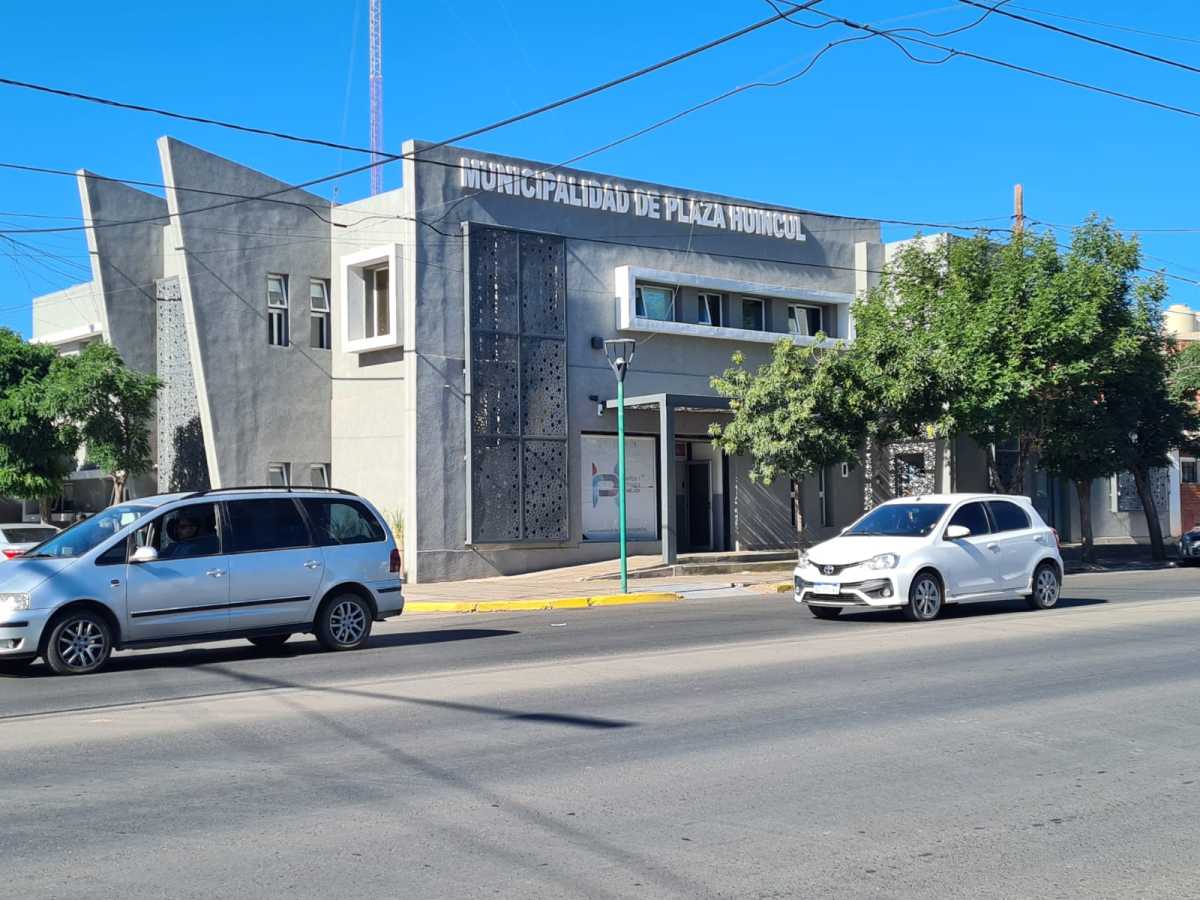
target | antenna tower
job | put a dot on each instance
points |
(376, 17)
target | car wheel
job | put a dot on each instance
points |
(825, 612)
(1046, 587)
(80, 643)
(15, 666)
(270, 641)
(924, 598)
(344, 622)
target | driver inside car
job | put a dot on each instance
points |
(190, 535)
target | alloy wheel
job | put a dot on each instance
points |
(1046, 589)
(925, 599)
(347, 622)
(81, 644)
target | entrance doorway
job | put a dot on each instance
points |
(699, 503)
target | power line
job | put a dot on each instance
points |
(1084, 37)
(1157, 34)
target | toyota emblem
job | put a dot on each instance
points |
(828, 570)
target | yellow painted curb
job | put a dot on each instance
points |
(624, 599)
(437, 606)
(784, 587)
(569, 603)
(449, 606)
(509, 605)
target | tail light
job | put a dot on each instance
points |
(11, 554)
(396, 563)
(1057, 540)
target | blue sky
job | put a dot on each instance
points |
(866, 132)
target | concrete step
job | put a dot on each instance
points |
(736, 556)
(715, 568)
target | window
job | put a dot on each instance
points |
(1187, 469)
(1008, 516)
(710, 309)
(845, 470)
(318, 302)
(804, 320)
(90, 533)
(183, 533)
(908, 469)
(279, 474)
(277, 310)
(752, 314)
(376, 321)
(342, 522)
(266, 525)
(318, 475)
(655, 302)
(974, 517)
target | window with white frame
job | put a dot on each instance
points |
(370, 299)
(376, 309)
(753, 314)
(277, 310)
(804, 320)
(1187, 471)
(654, 302)
(279, 474)
(709, 312)
(318, 301)
(318, 474)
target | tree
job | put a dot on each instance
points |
(110, 405)
(799, 413)
(35, 450)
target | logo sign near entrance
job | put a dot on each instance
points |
(598, 488)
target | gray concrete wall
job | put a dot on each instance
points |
(597, 243)
(258, 403)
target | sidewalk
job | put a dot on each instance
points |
(1118, 557)
(569, 587)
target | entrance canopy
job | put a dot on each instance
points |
(667, 405)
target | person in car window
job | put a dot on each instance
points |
(189, 536)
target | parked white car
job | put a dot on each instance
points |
(921, 553)
(18, 537)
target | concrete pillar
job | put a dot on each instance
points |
(666, 481)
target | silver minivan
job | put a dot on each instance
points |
(256, 563)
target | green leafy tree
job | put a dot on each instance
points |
(110, 405)
(35, 450)
(796, 414)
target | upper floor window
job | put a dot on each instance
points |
(753, 314)
(710, 309)
(376, 319)
(279, 474)
(277, 310)
(318, 474)
(804, 320)
(1187, 469)
(371, 308)
(653, 302)
(318, 300)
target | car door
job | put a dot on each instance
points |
(185, 591)
(274, 569)
(1018, 543)
(970, 564)
(353, 540)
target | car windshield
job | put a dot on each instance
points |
(899, 520)
(84, 536)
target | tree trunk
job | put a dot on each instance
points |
(1141, 478)
(118, 495)
(798, 510)
(992, 468)
(44, 510)
(1083, 491)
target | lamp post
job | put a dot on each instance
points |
(619, 354)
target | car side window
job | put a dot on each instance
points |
(1008, 516)
(186, 532)
(257, 525)
(342, 522)
(116, 555)
(973, 516)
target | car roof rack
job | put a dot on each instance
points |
(265, 487)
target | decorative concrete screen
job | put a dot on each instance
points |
(182, 461)
(516, 334)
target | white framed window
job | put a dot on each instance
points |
(277, 310)
(845, 470)
(709, 312)
(318, 474)
(370, 299)
(753, 314)
(655, 302)
(1187, 470)
(804, 320)
(318, 314)
(279, 474)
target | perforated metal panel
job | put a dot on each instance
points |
(516, 311)
(182, 459)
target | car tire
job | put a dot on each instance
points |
(15, 666)
(1047, 585)
(79, 643)
(825, 612)
(924, 598)
(344, 622)
(270, 641)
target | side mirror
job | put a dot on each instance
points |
(954, 532)
(144, 555)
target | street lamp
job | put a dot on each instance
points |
(619, 354)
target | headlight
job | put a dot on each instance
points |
(883, 561)
(13, 603)
(802, 562)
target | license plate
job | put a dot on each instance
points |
(828, 590)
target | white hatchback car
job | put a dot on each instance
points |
(921, 553)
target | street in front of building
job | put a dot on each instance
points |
(725, 745)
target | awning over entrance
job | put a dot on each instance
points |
(667, 405)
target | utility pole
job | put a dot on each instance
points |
(1018, 209)
(376, 72)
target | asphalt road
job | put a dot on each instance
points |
(721, 747)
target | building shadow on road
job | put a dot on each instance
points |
(962, 611)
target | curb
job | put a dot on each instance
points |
(784, 587)
(533, 605)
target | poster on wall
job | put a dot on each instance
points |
(598, 474)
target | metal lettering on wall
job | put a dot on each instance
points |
(516, 299)
(182, 461)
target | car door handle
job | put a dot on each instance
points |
(116, 582)
(995, 548)
(215, 573)
(312, 564)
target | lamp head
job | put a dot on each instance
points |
(619, 353)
